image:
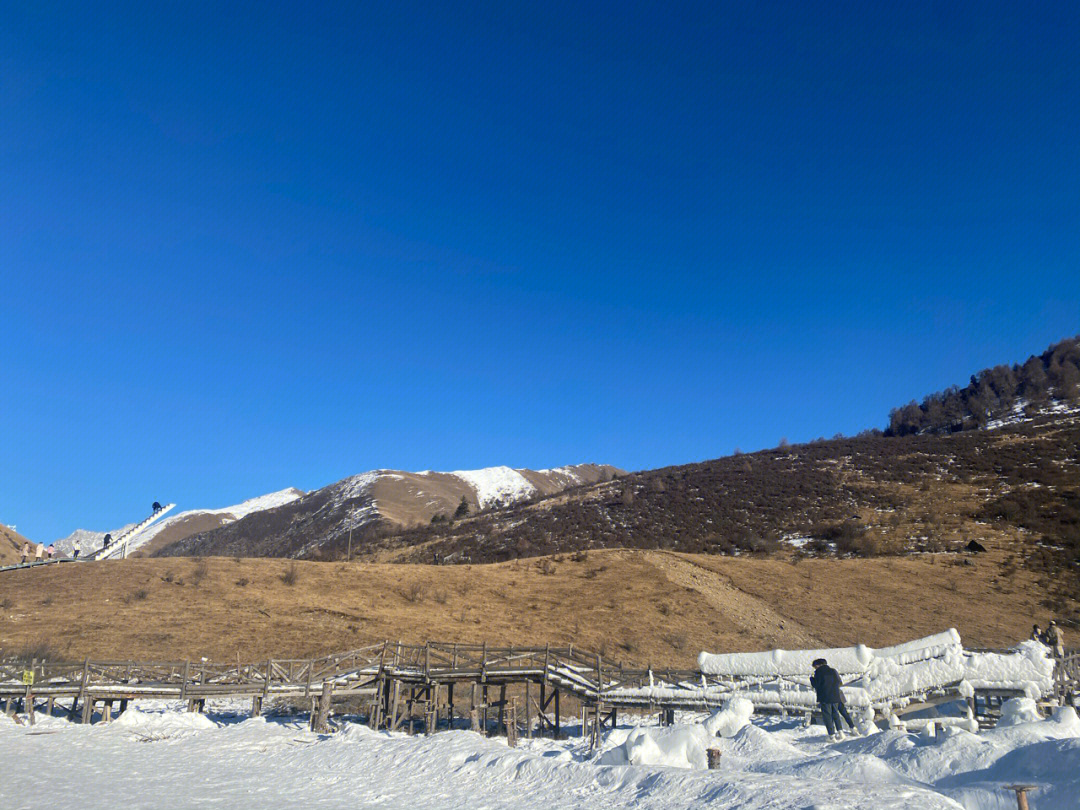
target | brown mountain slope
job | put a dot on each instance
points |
(637, 607)
(356, 510)
(864, 496)
(11, 543)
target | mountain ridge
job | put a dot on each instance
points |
(362, 507)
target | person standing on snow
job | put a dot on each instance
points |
(1037, 634)
(826, 682)
(75, 549)
(1055, 639)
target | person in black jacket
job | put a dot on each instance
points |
(826, 682)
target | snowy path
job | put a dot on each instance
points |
(169, 758)
(191, 762)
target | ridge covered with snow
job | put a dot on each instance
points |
(497, 484)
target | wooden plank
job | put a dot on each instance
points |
(321, 721)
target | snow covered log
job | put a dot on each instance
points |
(847, 661)
(1028, 668)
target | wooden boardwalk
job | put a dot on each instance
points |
(401, 686)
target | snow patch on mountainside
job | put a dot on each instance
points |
(271, 500)
(497, 484)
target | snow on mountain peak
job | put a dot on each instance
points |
(497, 484)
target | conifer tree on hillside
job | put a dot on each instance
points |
(462, 509)
(995, 392)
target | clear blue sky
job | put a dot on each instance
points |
(250, 247)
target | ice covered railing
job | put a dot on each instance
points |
(848, 661)
(779, 680)
(1026, 669)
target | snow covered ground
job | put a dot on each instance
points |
(494, 484)
(162, 757)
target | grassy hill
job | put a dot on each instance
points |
(11, 543)
(1017, 486)
(634, 606)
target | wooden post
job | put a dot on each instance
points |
(106, 711)
(396, 701)
(49, 705)
(557, 715)
(431, 717)
(88, 710)
(484, 708)
(183, 683)
(123, 705)
(714, 758)
(410, 701)
(450, 704)
(1021, 794)
(528, 711)
(543, 702)
(256, 705)
(511, 725)
(266, 683)
(321, 722)
(82, 690)
(502, 708)
(30, 706)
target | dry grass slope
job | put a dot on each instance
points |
(634, 606)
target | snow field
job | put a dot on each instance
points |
(497, 484)
(161, 756)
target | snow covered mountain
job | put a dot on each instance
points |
(177, 527)
(371, 503)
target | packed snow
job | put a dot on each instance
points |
(158, 755)
(497, 484)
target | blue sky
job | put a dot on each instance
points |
(259, 246)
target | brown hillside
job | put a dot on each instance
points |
(355, 511)
(11, 543)
(184, 527)
(1017, 486)
(638, 607)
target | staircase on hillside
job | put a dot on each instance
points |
(120, 546)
